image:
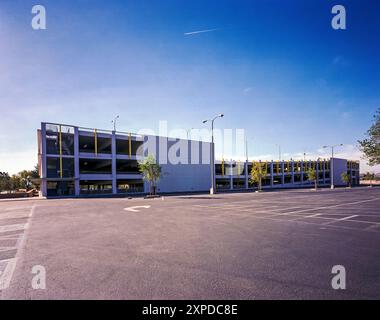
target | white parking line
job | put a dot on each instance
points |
(333, 206)
(13, 215)
(361, 221)
(318, 215)
(135, 208)
(372, 227)
(10, 264)
(314, 215)
(13, 227)
(347, 218)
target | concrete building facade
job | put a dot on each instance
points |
(235, 175)
(76, 161)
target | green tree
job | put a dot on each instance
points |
(5, 182)
(257, 174)
(35, 173)
(26, 176)
(16, 182)
(21, 180)
(371, 145)
(151, 172)
(369, 177)
(312, 177)
(346, 177)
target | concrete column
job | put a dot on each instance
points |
(113, 150)
(350, 170)
(292, 168)
(146, 187)
(43, 190)
(271, 174)
(246, 174)
(283, 173)
(317, 170)
(146, 146)
(231, 176)
(76, 161)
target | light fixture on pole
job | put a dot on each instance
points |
(212, 153)
(332, 162)
(114, 123)
(247, 147)
(188, 131)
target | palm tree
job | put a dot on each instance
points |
(151, 172)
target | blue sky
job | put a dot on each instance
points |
(274, 68)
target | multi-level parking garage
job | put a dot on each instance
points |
(77, 161)
(232, 174)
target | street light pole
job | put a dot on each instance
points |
(189, 133)
(114, 123)
(279, 152)
(246, 148)
(212, 160)
(332, 163)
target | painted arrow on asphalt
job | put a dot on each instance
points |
(134, 209)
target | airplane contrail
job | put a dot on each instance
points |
(200, 31)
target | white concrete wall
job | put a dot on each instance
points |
(185, 177)
(184, 173)
(340, 166)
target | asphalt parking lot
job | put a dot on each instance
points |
(272, 245)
